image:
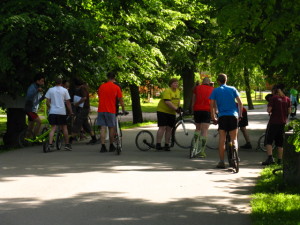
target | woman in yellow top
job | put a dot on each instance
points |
(166, 114)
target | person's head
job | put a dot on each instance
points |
(173, 83)
(58, 81)
(111, 75)
(39, 79)
(78, 82)
(222, 78)
(277, 90)
(66, 84)
(206, 81)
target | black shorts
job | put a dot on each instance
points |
(202, 116)
(275, 132)
(55, 119)
(228, 123)
(82, 121)
(165, 119)
(244, 121)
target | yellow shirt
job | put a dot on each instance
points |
(173, 96)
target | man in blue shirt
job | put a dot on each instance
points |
(223, 100)
(33, 98)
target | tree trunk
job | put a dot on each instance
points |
(16, 122)
(188, 84)
(136, 104)
(248, 89)
(291, 163)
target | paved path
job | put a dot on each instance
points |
(135, 188)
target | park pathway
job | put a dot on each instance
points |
(84, 187)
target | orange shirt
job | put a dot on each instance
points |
(202, 93)
(108, 94)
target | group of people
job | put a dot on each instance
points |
(221, 105)
(58, 100)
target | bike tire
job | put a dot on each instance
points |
(46, 146)
(261, 144)
(119, 145)
(144, 140)
(212, 139)
(181, 138)
(59, 140)
(235, 160)
(229, 154)
(21, 138)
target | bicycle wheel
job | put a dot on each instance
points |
(184, 133)
(235, 160)
(59, 140)
(212, 139)
(261, 143)
(46, 146)
(229, 153)
(24, 134)
(119, 144)
(144, 140)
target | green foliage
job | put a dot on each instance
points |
(273, 203)
(294, 139)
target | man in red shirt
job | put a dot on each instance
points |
(108, 93)
(201, 108)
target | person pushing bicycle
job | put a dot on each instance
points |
(224, 99)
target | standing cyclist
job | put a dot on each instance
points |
(223, 98)
(201, 108)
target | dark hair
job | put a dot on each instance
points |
(78, 82)
(58, 81)
(38, 77)
(172, 81)
(222, 78)
(111, 75)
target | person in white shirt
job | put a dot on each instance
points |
(57, 99)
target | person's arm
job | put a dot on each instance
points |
(48, 103)
(213, 110)
(171, 105)
(121, 101)
(69, 107)
(193, 102)
(240, 106)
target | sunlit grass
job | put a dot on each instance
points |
(273, 203)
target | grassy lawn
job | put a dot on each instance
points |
(273, 203)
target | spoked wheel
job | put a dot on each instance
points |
(184, 132)
(144, 140)
(119, 145)
(212, 139)
(261, 144)
(23, 136)
(59, 140)
(235, 160)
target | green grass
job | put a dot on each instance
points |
(273, 203)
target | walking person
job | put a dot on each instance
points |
(57, 99)
(109, 93)
(166, 114)
(279, 107)
(201, 108)
(81, 103)
(224, 99)
(33, 98)
(243, 123)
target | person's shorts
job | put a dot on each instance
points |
(32, 116)
(228, 123)
(202, 116)
(275, 132)
(81, 121)
(244, 121)
(106, 119)
(165, 119)
(55, 119)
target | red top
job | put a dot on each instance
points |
(202, 93)
(280, 107)
(108, 94)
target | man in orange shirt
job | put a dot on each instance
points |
(108, 93)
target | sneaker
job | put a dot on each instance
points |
(158, 146)
(103, 149)
(112, 148)
(269, 161)
(221, 165)
(246, 146)
(92, 142)
(201, 154)
(167, 148)
(68, 147)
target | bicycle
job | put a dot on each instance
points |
(261, 143)
(232, 154)
(182, 130)
(118, 134)
(57, 139)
